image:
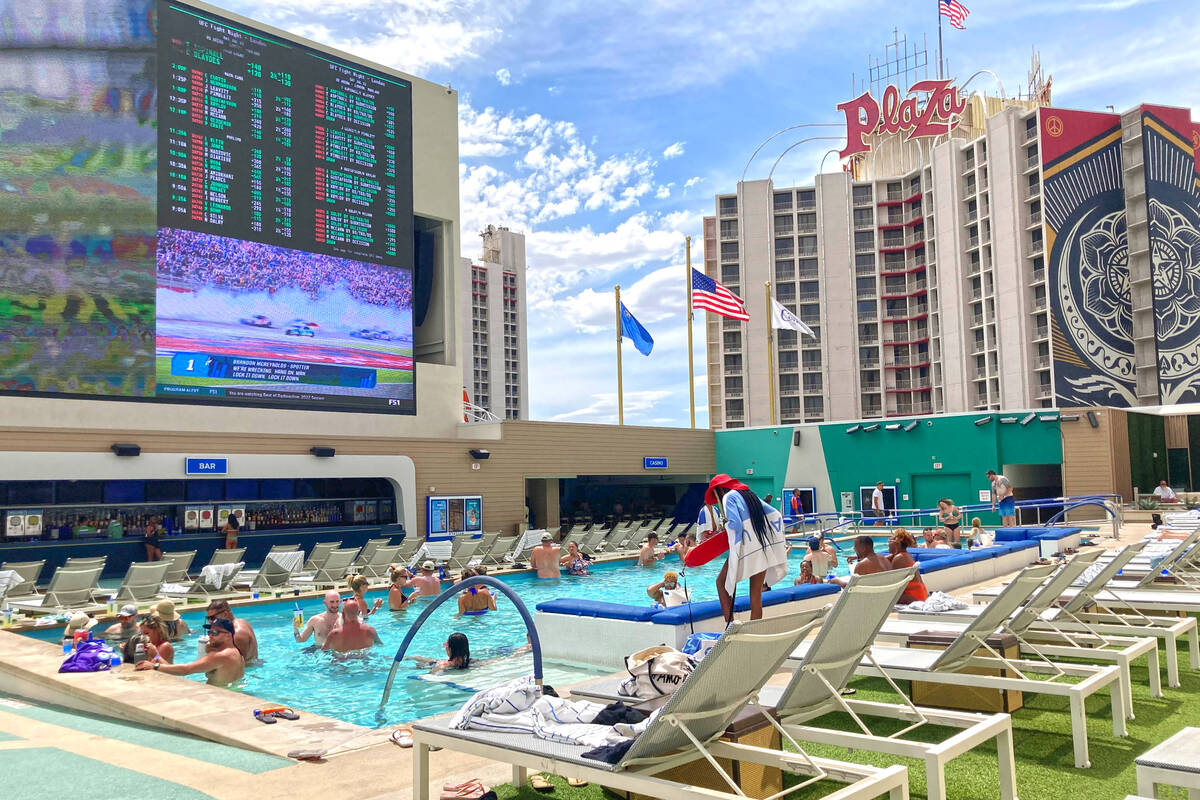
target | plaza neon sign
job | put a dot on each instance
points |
(865, 116)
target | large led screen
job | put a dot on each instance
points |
(193, 209)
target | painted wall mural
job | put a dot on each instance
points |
(1087, 251)
(1173, 217)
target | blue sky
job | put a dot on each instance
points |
(603, 130)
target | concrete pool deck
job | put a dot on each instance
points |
(360, 760)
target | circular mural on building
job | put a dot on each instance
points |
(1093, 289)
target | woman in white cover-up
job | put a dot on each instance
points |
(757, 548)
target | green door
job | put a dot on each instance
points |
(930, 487)
(1179, 472)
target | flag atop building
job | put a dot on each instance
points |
(632, 329)
(782, 318)
(956, 11)
(712, 296)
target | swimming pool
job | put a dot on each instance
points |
(349, 687)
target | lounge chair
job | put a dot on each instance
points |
(317, 556)
(377, 567)
(142, 583)
(231, 556)
(331, 573)
(368, 550)
(1092, 608)
(85, 563)
(635, 540)
(593, 541)
(486, 542)
(1048, 644)
(409, 548)
(1178, 563)
(274, 574)
(464, 550)
(29, 572)
(948, 666)
(69, 589)
(686, 729)
(178, 565)
(215, 581)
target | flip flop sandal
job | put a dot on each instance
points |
(267, 717)
(474, 793)
(540, 784)
(576, 782)
(460, 787)
(286, 713)
(402, 737)
(848, 692)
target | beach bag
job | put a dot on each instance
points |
(698, 644)
(87, 657)
(654, 672)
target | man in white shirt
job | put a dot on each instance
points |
(1165, 493)
(877, 509)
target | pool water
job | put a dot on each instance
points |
(349, 687)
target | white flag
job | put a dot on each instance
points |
(782, 318)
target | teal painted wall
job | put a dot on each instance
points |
(905, 459)
(764, 450)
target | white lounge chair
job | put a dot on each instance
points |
(686, 729)
(215, 581)
(593, 541)
(409, 548)
(142, 583)
(1092, 608)
(332, 572)
(486, 542)
(29, 572)
(275, 573)
(85, 563)
(233, 555)
(947, 666)
(368, 550)
(464, 550)
(1048, 644)
(318, 554)
(178, 565)
(69, 589)
(381, 559)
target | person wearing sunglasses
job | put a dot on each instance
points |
(243, 634)
(222, 662)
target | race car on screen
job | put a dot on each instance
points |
(372, 333)
(257, 321)
(300, 330)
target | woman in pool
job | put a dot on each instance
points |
(949, 515)
(458, 655)
(806, 574)
(397, 601)
(901, 559)
(474, 600)
(155, 637)
(574, 560)
(753, 539)
(359, 584)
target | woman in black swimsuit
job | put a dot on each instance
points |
(948, 515)
(153, 540)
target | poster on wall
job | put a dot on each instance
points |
(474, 513)
(1087, 258)
(14, 525)
(224, 512)
(206, 517)
(33, 522)
(451, 516)
(191, 518)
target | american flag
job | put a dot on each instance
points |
(712, 296)
(956, 11)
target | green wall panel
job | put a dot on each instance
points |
(1147, 450)
(964, 450)
(764, 450)
(1194, 447)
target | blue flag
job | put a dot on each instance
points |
(633, 330)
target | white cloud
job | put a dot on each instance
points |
(664, 191)
(504, 77)
(673, 150)
(692, 181)
(603, 408)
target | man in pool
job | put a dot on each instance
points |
(222, 662)
(649, 553)
(427, 583)
(667, 592)
(868, 561)
(126, 626)
(545, 557)
(243, 634)
(352, 634)
(320, 625)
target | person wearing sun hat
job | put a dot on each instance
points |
(176, 627)
(753, 538)
(79, 622)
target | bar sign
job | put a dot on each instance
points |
(654, 462)
(206, 466)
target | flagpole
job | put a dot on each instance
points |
(691, 367)
(939, 10)
(620, 385)
(770, 351)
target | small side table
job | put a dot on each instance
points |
(1175, 762)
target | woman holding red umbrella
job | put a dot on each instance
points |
(753, 537)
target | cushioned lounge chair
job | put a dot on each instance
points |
(687, 729)
(948, 666)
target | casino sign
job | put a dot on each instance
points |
(866, 117)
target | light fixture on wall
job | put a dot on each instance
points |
(983, 421)
(892, 426)
(479, 455)
(1093, 419)
(870, 428)
(1006, 421)
(1050, 418)
(795, 438)
(126, 449)
(1068, 418)
(322, 452)
(912, 426)
(1028, 418)
(854, 429)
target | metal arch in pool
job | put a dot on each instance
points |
(1073, 506)
(453, 591)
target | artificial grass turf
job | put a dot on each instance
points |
(1041, 737)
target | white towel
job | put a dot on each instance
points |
(289, 560)
(747, 555)
(937, 603)
(8, 579)
(216, 576)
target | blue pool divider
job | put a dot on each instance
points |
(453, 591)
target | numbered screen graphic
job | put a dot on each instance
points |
(200, 211)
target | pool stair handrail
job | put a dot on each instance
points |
(453, 591)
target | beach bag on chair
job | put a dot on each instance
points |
(654, 672)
